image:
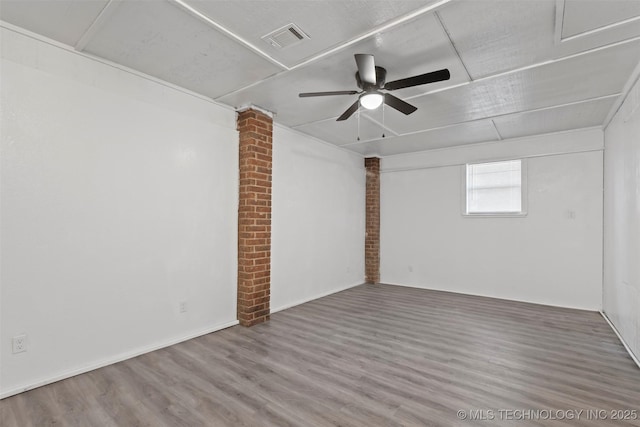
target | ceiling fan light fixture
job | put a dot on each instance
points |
(371, 100)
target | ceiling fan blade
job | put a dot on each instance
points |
(366, 68)
(349, 112)
(335, 92)
(398, 104)
(422, 79)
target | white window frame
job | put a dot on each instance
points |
(523, 192)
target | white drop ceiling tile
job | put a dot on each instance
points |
(344, 132)
(161, 39)
(600, 36)
(588, 41)
(468, 133)
(327, 23)
(591, 75)
(61, 20)
(581, 16)
(576, 116)
(457, 105)
(279, 94)
(506, 34)
(499, 35)
(580, 78)
(414, 48)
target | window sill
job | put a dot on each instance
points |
(495, 215)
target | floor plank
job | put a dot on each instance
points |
(371, 355)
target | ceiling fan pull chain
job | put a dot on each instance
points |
(383, 121)
(358, 139)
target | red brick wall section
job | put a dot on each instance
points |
(372, 236)
(254, 217)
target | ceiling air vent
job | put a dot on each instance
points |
(285, 36)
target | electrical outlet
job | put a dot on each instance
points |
(183, 306)
(19, 344)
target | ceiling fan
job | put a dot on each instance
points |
(371, 79)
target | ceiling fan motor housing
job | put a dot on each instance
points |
(381, 77)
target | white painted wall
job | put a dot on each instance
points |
(622, 221)
(119, 199)
(318, 219)
(546, 257)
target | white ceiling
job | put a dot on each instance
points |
(518, 67)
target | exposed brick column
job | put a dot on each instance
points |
(254, 217)
(372, 236)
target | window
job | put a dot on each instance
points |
(495, 188)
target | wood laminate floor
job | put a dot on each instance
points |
(374, 355)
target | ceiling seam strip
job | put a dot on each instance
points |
(249, 86)
(453, 45)
(559, 24)
(384, 27)
(330, 119)
(529, 67)
(97, 24)
(384, 127)
(490, 118)
(490, 142)
(498, 158)
(357, 39)
(500, 138)
(599, 29)
(564, 58)
(517, 113)
(567, 104)
(322, 141)
(230, 34)
(633, 78)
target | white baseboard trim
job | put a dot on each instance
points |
(111, 360)
(504, 298)
(624, 343)
(546, 303)
(304, 300)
